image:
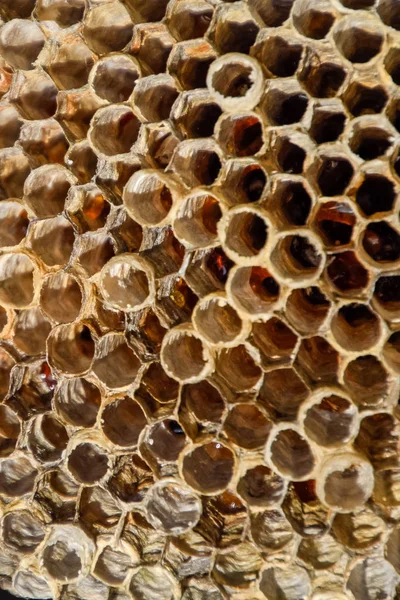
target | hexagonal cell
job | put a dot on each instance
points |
(195, 113)
(67, 553)
(152, 44)
(10, 126)
(31, 329)
(330, 420)
(291, 202)
(371, 578)
(17, 476)
(14, 169)
(30, 584)
(375, 195)
(367, 381)
(240, 134)
(113, 566)
(18, 276)
(47, 438)
(197, 162)
(290, 152)
(387, 295)
(243, 181)
(71, 348)
(189, 63)
(246, 426)
(154, 583)
(270, 530)
(365, 97)
(189, 19)
(284, 103)
(233, 28)
(93, 250)
(290, 454)
(239, 368)
(381, 243)
(52, 240)
(378, 439)
(75, 110)
(235, 82)
(14, 223)
(346, 274)
(149, 197)
(345, 482)
(115, 364)
(282, 393)
(11, 9)
(61, 297)
(172, 507)
(359, 39)
(391, 352)
(122, 421)
(87, 462)
(318, 361)
(285, 583)
(275, 341)
(334, 173)
(297, 257)
(81, 161)
(204, 401)
(320, 553)
(44, 142)
(78, 401)
(260, 486)
(21, 41)
(244, 233)
(307, 309)
(23, 531)
(327, 121)
(197, 218)
(153, 97)
(131, 478)
(114, 130)
(208, 468)
(126, 283)
(335, 222)
(304, 511)
(313, 21)
(184, 355)
(355, 327)
(369, 139)
(238, 567)
(165, 440)
(107, 28)
(271, 12)
(9, 430)
(34, 94)
(322, 74)
(217, 321)
(279, 55)
(87, 208)
(387, 10)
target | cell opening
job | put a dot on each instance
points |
(331, 421)
(71, 348)
(358, 45)
(184, 355)
(391, 352)
(197, 219)
(254, 289)
(370, 142)
(125, 283)
(115, 364)
(367, 381)
(291, 455)
(285, 108)
(114, 130)
(296, 257)
(122, 421)
(388, 11)
(335, 222)
(334, 175)
(375, 195)
(238, 368)
(327, 126)
(346, 273)
(381, 242)
(292, 202)
(241, 135)
(280, 56)
(217, 321)
(148, 197)
(290, 157)
(61, 297)
(356, 327)
(88, 463)
(246, 234)
(78, 401)
(208, 468)
(363, 99)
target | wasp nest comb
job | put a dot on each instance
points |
(200, 299)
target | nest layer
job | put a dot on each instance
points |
(200, 299)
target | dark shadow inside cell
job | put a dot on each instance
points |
(334, 176)
(381, 242)
(376, 194)
(327, 127)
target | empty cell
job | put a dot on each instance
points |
(17, 476)
(345, 482)
(31, 329)
(335, 222)
(52, 240)
(114, 130)
(195, 113)
(289, 153)
(318, 361)
(375, 195)
(61, 297)
(65, 15)
(387, 295)
(235, 82)
(356, 327)
(270, 530)
(47, 438)
(239, 368)
(240, 134)
(197, 162)
(107, 28)
(284, 104)
(304, 511)
(14, 169)
(88, 462)
(151, 44)
(93, 250)
(122, 421)
(204, 401)
(87, 208)
(253, 289)
(9, 430)
(165, 440)
(243, 181)
(334, 175)
(189, 20)
(330, 420)
(260, 486)
(10, 126)
(321, 74)
(184, 355)
(364, 97)
(17, 280)
(46, 189)
(275, 341)
(346, 274)
(282, 393)
(307, 309)
(278, 54)
(381, 242)
(273, 13)
(291, 202)
(290, 454)
(327, 122)
(233, 28)
(71, 348)
(389, 13)
(126, 283)
(77, 401)
(197, 219)
(367, 381)
(358, 39)
(154, 96)
(21, 41)
(14, 223)
(23, 531)
(154, 583)
(112, 565)
(208, 468)
(115, 363)
(391, 352)
(313, 21)
(245, 233)
(189, 63)
(285, 583)
(247, 426)
(81, 161)
(297, 257)
(216, 320)
(369, 140)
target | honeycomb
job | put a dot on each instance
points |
(200, 299)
